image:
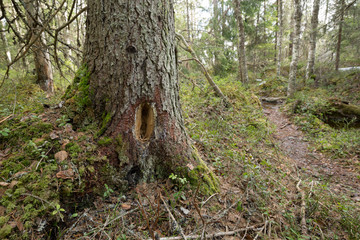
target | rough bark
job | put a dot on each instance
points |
(243, 73)
(339, 36)
(5, 42)
(41, 53)
(296, 46)
(279, 37)
(313, 36)
(133, 87)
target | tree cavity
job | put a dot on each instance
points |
(144, 122)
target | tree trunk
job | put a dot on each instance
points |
(5, 42)
(41, 53)
(279, 38)
(313, 35)
(243, 73)
(291, 36)
(339, 36)
(296, 46)
(133, 87)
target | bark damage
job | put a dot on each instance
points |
(130, 55)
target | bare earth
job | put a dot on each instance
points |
(342, 176)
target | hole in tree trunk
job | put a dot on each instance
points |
(144, 122)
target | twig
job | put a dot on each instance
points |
(261, 229)
(302, 210)
(172, 218)
(204, 202)
(219, 234)
(6, 118)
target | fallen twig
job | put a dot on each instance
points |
(6, 118)
(219, 234)
(172, 218)
(302, 210)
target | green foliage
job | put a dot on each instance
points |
(108, 191)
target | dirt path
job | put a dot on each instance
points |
(342, 178)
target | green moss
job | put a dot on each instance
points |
(201, 174)
(5, 231)
(104, 141)
(4, 220)
(104, 124)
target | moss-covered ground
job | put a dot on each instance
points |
(50, 188)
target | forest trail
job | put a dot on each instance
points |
(339, 174)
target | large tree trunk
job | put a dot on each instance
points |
(243, 73)
(279, 37)
(130, 56)
(41, 53)
(313, 35)
(341, 9)
(296, 47)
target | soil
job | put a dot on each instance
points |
(340, 174)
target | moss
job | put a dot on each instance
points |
(4, 220)
(203, 175)
(104, 124)
(104, 141)
(74, 149)
(5, 231)
(120, 149)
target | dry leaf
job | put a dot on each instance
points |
(12, 184)
(4, 184)
(53, 136)
(61, 156)
(19, 174)
(67, 174)
(125, 206)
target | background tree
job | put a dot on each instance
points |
(313, 35)
(296, 46)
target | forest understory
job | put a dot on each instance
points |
(278, 178)
(186, 119)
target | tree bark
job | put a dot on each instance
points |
(279, 38)
(5, 42)
(41, 53)
(313, 36)
(291, 35)
(296, 46)
(339, 36)
(130, 56)
(243, 73)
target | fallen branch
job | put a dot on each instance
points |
(172, 218)
(219, 234)
(204, 71)
(302, 210)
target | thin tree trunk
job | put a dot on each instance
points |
(291, 36)
(5, 42)
(243, 73)
(339, 36)
(188, 21)
(326, 13)
(279, 38)
(41, 53)
(313, 35)
(296, 47)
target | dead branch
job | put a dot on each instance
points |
(217, 90)
(172, 218)
(302, 210)
(214, 235)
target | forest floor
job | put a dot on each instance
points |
(339, 173)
